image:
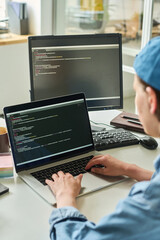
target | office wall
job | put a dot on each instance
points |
(14, 74)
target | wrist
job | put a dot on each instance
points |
(126, 169)
(64, 200)
(130, 169)
(137, 173)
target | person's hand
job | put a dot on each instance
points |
(65, 188)
(115, 167)
(112, 166)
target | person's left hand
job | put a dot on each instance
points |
(65, 188)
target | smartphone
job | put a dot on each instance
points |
(3, 189)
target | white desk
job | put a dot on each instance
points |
(24, 215)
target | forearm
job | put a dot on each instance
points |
(115, 167)
(137, 173)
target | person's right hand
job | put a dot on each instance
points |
(65, 188)
(112, 166)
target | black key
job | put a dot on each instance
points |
(75, 168)
(113, 138)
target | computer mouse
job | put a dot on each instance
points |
(149, 143)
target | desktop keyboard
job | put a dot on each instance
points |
(75, 168)
(113, 138)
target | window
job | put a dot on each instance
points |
(3, 18)
(3, 9)
(156, 19)
(101, 16)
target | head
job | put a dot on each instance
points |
(147, 86)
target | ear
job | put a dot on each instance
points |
(152, 99)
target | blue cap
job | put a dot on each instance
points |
(147, 63)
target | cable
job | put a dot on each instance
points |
(102, 124)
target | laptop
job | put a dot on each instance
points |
(51, 135)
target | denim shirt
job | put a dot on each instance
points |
(135, 218)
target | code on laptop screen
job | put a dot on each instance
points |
(49, 131)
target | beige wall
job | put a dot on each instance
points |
(14, 74)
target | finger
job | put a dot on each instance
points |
(79, 178)
(49, 182)
(69, 175)
(54, 176)
(51, 185)
(60, 174)
(101, 171)
(93, 162)
(97, 156)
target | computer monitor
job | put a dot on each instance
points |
(67, 64)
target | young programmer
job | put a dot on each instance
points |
(137, 216)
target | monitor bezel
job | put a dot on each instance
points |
(9, 110)
(70, 40)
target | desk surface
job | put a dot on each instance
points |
(24, 215)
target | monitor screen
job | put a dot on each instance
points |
(68, 64)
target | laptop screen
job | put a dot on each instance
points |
(45, 131)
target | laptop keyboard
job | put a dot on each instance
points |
(75, 168)
(113, 138)
(102, 140)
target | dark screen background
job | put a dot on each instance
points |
(96, 72)
(53, 131)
